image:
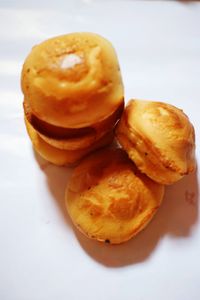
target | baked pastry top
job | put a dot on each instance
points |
(109, 199)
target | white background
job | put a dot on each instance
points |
(42, 257)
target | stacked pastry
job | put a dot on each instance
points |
(73, 96)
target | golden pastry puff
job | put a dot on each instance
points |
(159, 138)
(109, 199)
(62, 156)
(72, 81)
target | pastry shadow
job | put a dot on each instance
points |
(176, 218)
(57, 178)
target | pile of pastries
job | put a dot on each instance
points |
(73, 106)
(73, 96)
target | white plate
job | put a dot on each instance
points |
(41, 256)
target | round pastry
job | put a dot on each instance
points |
(72, 81)
(109, 199)
(63, 157)
(73, 139)
(159, 138)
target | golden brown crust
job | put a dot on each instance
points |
(63, 157)
(68, 77)
(159, 138)
(109, 199)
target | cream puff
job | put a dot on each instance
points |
(109, 199)
(159, 138)
(73, 80)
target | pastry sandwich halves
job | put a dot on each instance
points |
(159, 138)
